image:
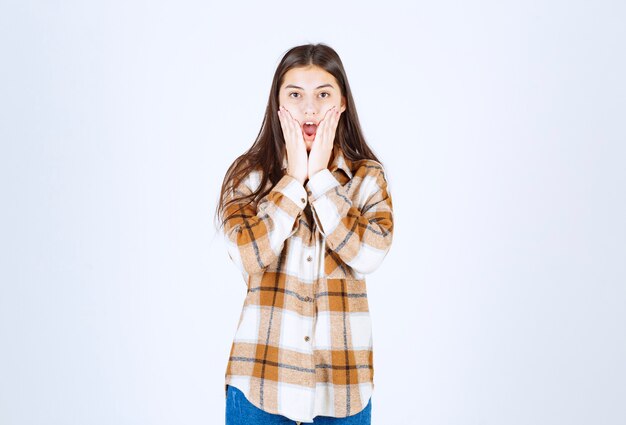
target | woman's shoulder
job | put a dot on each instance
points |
(370, 176)
(367, 167)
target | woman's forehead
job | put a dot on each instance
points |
(310, 78)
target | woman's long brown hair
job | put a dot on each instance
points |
(268, 150)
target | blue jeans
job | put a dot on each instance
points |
(239, 411)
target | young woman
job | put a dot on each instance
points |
(306, 214)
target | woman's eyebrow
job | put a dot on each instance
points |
(291, 86)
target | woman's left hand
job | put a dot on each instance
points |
(323, 143)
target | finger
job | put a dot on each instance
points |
(332, 116)
(297, 129)
(281, 117)
(291, 118)
(320, 134)
(337, 114)
(323, 123)
(292, 122)
(284, 125)
(290, 129)
(284, 116)
(332, 126)
(328, 114)
(328, 118)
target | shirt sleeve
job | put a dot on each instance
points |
(255, 235)
(361, 237)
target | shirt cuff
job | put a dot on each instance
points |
(320, 183)
(291, 188)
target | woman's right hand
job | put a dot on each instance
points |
(297, 158)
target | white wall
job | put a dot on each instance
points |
(501, 125)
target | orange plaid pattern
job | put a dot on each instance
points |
(303, 345)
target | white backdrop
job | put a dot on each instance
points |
(501, 127)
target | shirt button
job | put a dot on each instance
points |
(306, 338)
(309, 258)
(307, 299)
(302, 200)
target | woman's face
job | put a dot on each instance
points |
(307, 93)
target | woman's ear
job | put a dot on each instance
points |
(343, 104)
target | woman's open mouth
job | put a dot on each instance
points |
(309, 128)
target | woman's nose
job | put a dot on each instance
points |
(309, 109)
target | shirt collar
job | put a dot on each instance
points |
(339, 162)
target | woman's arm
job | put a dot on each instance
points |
(361, 237)
(255, 237)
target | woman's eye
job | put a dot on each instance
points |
(296, 93)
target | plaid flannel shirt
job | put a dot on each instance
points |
(303, 344)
